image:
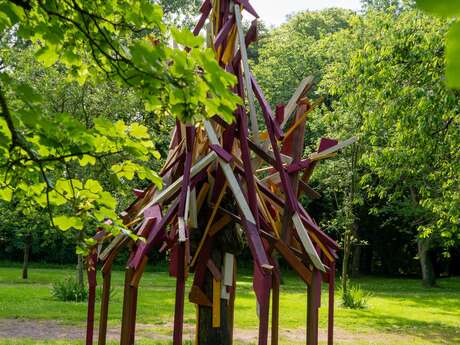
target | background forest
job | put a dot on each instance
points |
(392, 199)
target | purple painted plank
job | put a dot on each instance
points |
(297, 166)
(205, 9)
(223, 33)
(248, 7)
(266, 110)
(227, 157)
(279, 113)
(326, 143)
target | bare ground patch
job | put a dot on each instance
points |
(47, 330)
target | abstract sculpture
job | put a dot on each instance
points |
(224, 182)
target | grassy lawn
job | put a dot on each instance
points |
(400, 311)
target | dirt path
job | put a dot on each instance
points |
(47, 330)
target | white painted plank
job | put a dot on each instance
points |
(247, 79)
(292, 104)
(230, 176)
(174, 187)
(306, 242)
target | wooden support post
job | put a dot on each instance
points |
(231, 303)
(91, 269)
(275, 307)
(247, 79)
(107, 277)
(330, 317)
(180, 294)
(313, 303)
(126, 338)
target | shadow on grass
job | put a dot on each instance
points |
(432, 331)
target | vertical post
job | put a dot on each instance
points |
(275, 307)
(107, 277)
(126, 338)
(313, 303)
(247, 78)
(330, 323)
(231, 303)
(91, 269)
(180, 292)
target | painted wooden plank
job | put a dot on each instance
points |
(221, 153)
(202, 196)
(306, 242)
(244, 58)
(291, 258)
(215, 271)
(197, 296)
(215, 303)
(230, 176)
(219, 225)
(114, 243)
(208, 226)
(326, 153)
(193, 210)
(229, 260)
(175, 186)
(266, 110)
(303, 87)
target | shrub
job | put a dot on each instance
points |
(68, 290)
(355, 297)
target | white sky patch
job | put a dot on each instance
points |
(274, 12)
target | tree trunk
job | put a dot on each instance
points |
(80, 272)
(426, 263)
(208, 335)
(356, 260)
(346, 260)
(25, 263)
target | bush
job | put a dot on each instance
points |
(68, 290)
(355, 297)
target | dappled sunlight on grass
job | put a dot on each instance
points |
(398, 307)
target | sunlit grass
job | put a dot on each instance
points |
(398, 307)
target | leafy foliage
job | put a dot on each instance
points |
(448, 9)
(68, 290)
(354, 297)
(48, 153)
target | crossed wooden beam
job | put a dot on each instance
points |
(258, 168)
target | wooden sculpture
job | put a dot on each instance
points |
(223, 182)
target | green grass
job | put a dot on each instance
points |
(400, 311)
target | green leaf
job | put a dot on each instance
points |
(138, 131)
(6, 194)
(448, 8)
(87, 159)
(90, 241)
(47, 55)
(66, 222)
(186, 38)
(453, 56)
(93, 186)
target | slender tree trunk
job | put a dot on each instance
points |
(426, 263)
(80, 272)
(356, 260)
(346, 260)
(424, 246)
(208, 335)
(25, 263)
